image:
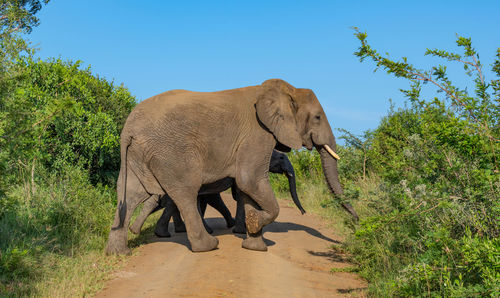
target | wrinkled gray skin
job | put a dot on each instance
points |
(178, 141)
(279, 164)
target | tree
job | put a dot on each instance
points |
(481, 110)
(16, 17)
(19, 16)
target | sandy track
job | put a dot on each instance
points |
(297, 264)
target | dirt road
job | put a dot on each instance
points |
(297, 264)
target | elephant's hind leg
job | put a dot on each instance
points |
(135, 194)
(147, 208)
(161, 229)
(181, 183)
(179, 226)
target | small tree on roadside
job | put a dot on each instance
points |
(361, 143)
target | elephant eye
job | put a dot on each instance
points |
(318, 117)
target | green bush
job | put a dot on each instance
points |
(425, 183)
(436, 200)
(56, 115)
(59, 160)
(430, 226)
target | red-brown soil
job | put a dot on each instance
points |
(297, 264)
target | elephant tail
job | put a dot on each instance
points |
(122, 191)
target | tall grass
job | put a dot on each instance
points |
(51, 228)
(52, 236)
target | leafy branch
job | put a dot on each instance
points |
(480, 109)
(19, 16)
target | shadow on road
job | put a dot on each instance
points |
(283, 227)
(217, 224)
(351, 290)
(219, 227)
(331, 255)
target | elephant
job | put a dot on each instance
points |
(279, 164)
(178, 141)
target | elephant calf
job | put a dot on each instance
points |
(279, 164)
(171, 210)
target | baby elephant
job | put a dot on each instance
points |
(213, 200)
(210, 194)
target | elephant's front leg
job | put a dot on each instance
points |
(215, 200)
(239, 227)
(200, 240)
(261, 208)
(254, 240)
(202, 207)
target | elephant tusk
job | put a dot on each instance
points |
(335, 155)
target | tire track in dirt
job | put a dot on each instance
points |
(297, 264)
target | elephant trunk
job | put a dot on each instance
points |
(329, 165)
(290, 173)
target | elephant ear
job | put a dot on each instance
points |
(274, 109)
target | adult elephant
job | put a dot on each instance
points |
(179, 140)
(210, 194)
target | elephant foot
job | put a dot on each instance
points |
(230, 222)
(136, 229)
(206, 244)
(239, 229)
(114, 248)
(253, 221)
(254, 242)
(180, 228)
(162, 231)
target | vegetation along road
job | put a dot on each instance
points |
(425, 180)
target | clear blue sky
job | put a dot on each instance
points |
(154, 46)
